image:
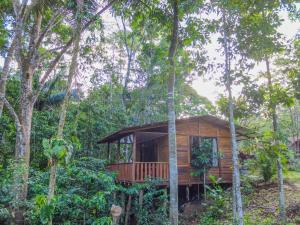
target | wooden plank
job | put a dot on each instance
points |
(161, 170)
(146, 170)
(153, 170)
(142, 172)
(138, 168)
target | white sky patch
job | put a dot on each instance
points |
(208, 88)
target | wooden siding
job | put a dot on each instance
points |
(184, 130)
(196, 127)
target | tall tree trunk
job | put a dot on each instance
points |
(237, 197)
(5, 71)
(171, 121)
(63, 110)
(27, 65)
(272, 108)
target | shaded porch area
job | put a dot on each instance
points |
(139, 156)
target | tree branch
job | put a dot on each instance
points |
(95, 17)
(51, 23)
(11, 111)
(65, 48)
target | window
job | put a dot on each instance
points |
(204, 152)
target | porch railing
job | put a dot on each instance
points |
(139, 171)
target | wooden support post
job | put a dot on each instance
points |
(204, 186)
(141, 198)
(128, 207)
(187, 193)
(108, 151)
(134, 148)
(115, 196)
(198, 191)
(119, 147)
(123, 200)
(166, 200)
(133, 156)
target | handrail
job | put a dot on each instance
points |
(139, 171)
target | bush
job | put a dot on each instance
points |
(155, 204)
(83, 195)
(216, 207)
(264, 163)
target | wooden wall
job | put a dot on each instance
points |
(197, 127)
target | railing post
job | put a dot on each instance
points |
(133, 156)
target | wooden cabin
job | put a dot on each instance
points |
(142, 151)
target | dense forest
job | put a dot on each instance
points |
(74, 71)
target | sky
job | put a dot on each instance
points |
(207, 88)
(203, 85)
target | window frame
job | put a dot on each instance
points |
(218, 151)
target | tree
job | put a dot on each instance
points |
(237, 197)
(62, 116)
(263, 42)
(173, 178)
(29, 57)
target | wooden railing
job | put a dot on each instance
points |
(145, 170)
(139, 171)
(124, 171)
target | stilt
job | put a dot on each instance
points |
(204, 186)
(123, 200)
(141, 198)
(128, 207)
(166, 200)
(198, 191)
(187, 193)
(123, 203)
(114, 195)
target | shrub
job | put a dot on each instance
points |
(83, 195)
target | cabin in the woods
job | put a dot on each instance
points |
(141, 152)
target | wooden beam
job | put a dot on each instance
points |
(108, 150)
(134, 148)
(133, 155)
(119, 148)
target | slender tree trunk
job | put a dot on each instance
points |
(237, 197)
(272, 108)
(234, 209)
(63, 110)
(52, 181)
(130, 55)
(171, 122)
(5, 71)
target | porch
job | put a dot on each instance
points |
(139, 156)
(140, 171)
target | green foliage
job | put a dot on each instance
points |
(57, 149)
(84, 191)
(154, 209)
(215, 208)
(202, 155)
